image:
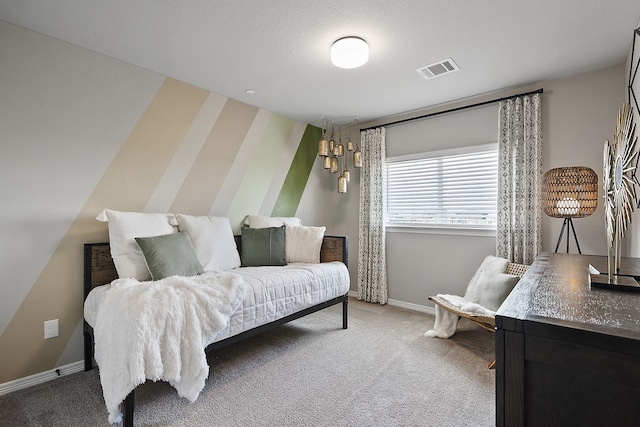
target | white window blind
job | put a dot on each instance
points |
(445, 189)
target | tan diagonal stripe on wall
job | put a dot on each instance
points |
(201, 187)
(127, 184)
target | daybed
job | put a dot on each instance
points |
(263, 297)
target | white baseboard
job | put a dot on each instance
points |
(410, 306)
(78, 366)
(402, 304)
(41, 377)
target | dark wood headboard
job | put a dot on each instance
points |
(99, 268)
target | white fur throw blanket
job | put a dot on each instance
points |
(158, 330)
(447, 322)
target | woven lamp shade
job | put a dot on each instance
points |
(570, 192)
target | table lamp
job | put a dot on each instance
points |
(569, 192)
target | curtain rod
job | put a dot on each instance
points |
(479, 104)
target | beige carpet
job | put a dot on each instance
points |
(381, 371)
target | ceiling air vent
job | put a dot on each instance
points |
(438, 69)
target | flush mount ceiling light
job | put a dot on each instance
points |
(349, 52)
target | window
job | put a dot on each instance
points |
(444, 189)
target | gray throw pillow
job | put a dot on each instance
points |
(170, 255)
(262, 246)
(493, 288)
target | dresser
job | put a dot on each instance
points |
(568, 354)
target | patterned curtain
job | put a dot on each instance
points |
(372, 261)
(519, 228)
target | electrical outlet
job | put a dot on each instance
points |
(51, 329)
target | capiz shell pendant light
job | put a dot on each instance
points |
(349, 52)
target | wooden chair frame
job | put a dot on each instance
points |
(485, 322)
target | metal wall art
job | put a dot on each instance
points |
(620, 163)
(633, 70)
(619, 179)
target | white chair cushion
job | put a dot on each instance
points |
(493, 288)
(492, 264)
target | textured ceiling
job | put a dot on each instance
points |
(280, 48)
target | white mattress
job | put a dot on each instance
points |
(275, 292)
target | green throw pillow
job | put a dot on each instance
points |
(170, 255)
(262, 246)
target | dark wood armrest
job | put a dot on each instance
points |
(334, 248)
(99, 268)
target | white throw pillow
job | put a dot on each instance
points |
(262, 221)
(302, 244)
(492, 264)
(124, 227)
(212, 239)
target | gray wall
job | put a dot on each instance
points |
(579, 114)
(632, 241)
(426, 263)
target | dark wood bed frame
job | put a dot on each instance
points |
(99, 270)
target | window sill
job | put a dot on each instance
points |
(481, 232)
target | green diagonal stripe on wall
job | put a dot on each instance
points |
(298, 175)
